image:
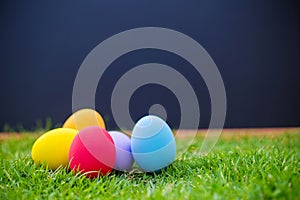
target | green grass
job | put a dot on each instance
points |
(246, 168)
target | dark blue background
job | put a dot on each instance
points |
(255, 44)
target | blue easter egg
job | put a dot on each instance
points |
(153, 144)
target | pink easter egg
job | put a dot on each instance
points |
(92, 152)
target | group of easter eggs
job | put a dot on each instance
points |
(85, 146)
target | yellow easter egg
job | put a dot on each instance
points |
(52, 148)
(84, 118)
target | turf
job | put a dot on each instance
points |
(244, 168)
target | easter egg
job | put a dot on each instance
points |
(92, 152)
(52, 148)
(84, 118)
(124, 158)
(153, 144)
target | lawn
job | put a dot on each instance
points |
(260, 167)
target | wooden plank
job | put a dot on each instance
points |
(226, 133)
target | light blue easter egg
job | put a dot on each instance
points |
(153, 144)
